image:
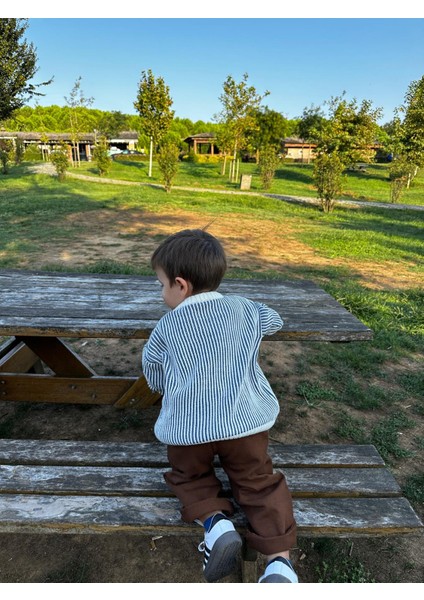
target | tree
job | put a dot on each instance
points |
(19, 151)
(101, 156)
(154, 107)
(18, 65)
(268, 164)
(240, 105)
(112, 123)
(60, 160)
(328, 169)
(168, 163)
(6, 155)
(271, 128)
(310, 123)
(412, 128)
(350, 130)
(77, 102)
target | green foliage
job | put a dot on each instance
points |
(413, 124)
(328, 170)
(168, 163)
(153, 104)
(240, 107)
(101, 156)
(268, 163)
(349, 131)
(385, 435)
(346, 570)
(399, 174)
(32, 153)
(414, 488)
(19, 151)
(76, 102)
(18, 62)
(270, 128)
(6, 154)
(60, 160)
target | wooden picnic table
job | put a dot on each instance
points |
(40, 310)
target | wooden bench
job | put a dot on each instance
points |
(106, 487)
(39, 309)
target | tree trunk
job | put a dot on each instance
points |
(151, 156)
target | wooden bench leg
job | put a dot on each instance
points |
(249, 564)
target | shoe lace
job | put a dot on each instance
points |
(201, 547)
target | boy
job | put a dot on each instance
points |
(202, 357)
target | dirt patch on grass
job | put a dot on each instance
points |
(130, 237)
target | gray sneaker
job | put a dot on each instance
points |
(221, 547)
(279, 570)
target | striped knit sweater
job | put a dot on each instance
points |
(203, 358)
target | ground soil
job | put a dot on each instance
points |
(130, 237)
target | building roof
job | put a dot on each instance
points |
(200, 136)
(36, 136)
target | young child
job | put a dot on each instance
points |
(202, 356)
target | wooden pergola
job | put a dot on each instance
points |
(202, 143)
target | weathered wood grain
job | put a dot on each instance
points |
(152, 516)
(153, 454)
(130, 306)
(68, 486)
(147, 481)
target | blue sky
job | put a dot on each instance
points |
(301, 62)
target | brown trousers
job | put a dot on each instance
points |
(261, 493)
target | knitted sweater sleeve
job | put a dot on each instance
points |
(152, 361)
(271, 322)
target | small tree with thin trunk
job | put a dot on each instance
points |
(6, 154)
(240, 105)
(154, 107)
(101, 156)
(60, 161)
(328, 169)
(168, 163)
(268, 163)
(76, 102)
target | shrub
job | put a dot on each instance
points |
(6, 154)
(268, 163)
(328, 169)
(60, 160)
(101, 156)
(168, 158)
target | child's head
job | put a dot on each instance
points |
(194, 255)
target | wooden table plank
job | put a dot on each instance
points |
(153, 454)
(129, 306)
(101, 514)
(142, 481)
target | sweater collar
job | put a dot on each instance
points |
(197, 298)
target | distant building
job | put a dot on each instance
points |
(46, 142)
(297, 149)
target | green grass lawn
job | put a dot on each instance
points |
(291, 179)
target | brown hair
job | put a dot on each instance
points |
(194, 255)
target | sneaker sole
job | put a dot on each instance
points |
(223, 558)
(275, 578)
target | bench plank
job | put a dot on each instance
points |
(153, 516)
(71, 452)
(139, 481)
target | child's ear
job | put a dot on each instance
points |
(185, 286)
